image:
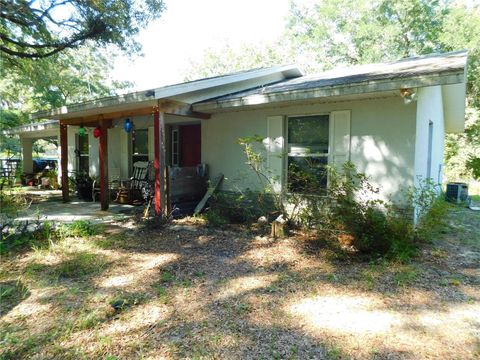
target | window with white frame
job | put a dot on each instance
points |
(308, 144)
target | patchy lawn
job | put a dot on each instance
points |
(194, 292)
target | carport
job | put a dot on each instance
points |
(29, 133)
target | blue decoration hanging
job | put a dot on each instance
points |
(128, 125)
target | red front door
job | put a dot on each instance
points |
(190, 145)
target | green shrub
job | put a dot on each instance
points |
(81, 228)
(433, 222)
(214, 217)
(349, 210)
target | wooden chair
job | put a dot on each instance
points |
(136, 183)
(113, 183)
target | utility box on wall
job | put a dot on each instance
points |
(457, 192)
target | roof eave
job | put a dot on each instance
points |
(149, 97)
(444, 78)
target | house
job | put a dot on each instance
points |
(389, 119)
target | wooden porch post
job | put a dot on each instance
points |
(103, 156)
(64, 161)
(159, 162)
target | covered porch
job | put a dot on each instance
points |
(166, 134)
(163, 129)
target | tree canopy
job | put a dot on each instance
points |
(73, 75)
(41, 28)
(52, 52)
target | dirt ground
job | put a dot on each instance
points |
(192, 292)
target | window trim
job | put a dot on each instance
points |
(287, 145)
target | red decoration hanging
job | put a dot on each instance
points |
(97, 132)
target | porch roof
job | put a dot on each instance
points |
(43, 129)
(185, 93)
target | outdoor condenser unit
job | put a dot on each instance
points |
(457, 192)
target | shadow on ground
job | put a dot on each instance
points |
(194, 292)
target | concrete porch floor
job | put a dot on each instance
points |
(48, 206)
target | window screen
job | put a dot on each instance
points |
(308, 153)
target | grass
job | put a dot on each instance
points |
(406, 276)
(73, 265)
(45, 236)
(475, 198)
(126, 300)
(81, 264)
(169, 295)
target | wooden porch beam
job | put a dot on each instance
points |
(159, 161)
(93, 120)
(64, 162)
(167, 107)
(103, 156)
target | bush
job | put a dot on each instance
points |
(350, 209)
(433, 221)
(374, 226)
(241, 207)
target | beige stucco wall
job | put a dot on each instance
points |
(382, 141)
(429, 108)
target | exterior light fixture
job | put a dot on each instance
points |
(97, 132)
(128, 125)
(82, 131)
(408, 94)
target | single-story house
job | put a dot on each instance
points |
(388, 119)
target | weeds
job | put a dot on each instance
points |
(78, 228)
(161, 293)
(43, 235)
(406, 276)
(76, 265)
(350, 209)
(80, 264)
(126, 300)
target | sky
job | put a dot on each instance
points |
(189, 27)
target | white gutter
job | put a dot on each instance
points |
(332, 91)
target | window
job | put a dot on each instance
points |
(139, 145)
(307, 153)
(82, 153)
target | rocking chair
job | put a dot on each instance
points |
(136, 183)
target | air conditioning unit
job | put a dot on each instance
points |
(457, 192)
